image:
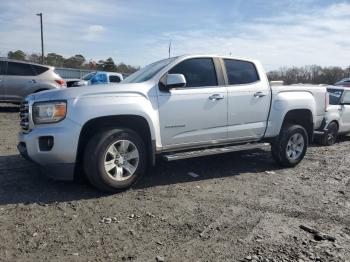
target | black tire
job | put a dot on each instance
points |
(94, 159)
(280, 146)
(331, 137)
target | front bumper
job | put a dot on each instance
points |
(58, 162)
(62, 172)
(322, 130)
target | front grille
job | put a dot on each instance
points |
(24, 116)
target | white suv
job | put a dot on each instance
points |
(19, 79)
(337, 118)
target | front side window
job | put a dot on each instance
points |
(100, 78)
(88, 76)
(198, 72)
(114, 79)
(240, 72)
(346, 98)
(334, 96)
(19, 69)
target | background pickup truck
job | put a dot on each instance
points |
(177, 108)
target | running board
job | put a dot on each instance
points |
(215, 151)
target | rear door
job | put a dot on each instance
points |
(248, 100)
(19, 81)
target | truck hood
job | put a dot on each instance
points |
(91, 91)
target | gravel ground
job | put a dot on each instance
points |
(241, 207)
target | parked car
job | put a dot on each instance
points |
(96, 78)
(344, 82)
(177, 108)
(19, 79)
(337, 118)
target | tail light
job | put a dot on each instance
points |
(61, 82)
(326, 101)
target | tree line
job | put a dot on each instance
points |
(77, 61)
(309, 74)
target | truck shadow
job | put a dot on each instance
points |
(22, 182)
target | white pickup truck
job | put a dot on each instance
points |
(181, 107)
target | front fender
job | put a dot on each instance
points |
(81, 110)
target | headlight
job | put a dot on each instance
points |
(49, 112)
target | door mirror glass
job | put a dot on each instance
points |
(175, 81)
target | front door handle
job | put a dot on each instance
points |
(216, 97)
(259, 94)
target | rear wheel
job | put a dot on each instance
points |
(114, 159)
(331, 137)
(291, 145)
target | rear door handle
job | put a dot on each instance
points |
(259, 94)
(32, 81)
(216, 97)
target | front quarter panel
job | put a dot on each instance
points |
(83, 109)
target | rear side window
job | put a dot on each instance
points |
(114, 79)
(197, 71)
(240, 72)
(334, 96)
(39, 69)
(19, 69)
(346, 98)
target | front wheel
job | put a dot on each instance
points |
(331, 137)
(115, 159)
(291, 145)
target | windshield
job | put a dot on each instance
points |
(334, 96)
(148, 71)
(88, 76)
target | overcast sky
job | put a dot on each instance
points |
(278, 32)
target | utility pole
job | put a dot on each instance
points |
(169, 48)
(42, 37)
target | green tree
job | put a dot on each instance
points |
(35, 58)
(109, 65)
(18, 55)
(76, 61)
(54, 59)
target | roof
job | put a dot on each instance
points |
(219, 56)
(20, 61)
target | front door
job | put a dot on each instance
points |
(195, 114)
(249, 99)
(345, 113)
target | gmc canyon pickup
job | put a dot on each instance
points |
(181, 107)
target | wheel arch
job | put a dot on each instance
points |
(303, 117)
(134, 122)
(333, 121)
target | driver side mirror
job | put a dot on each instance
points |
(173, 81)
